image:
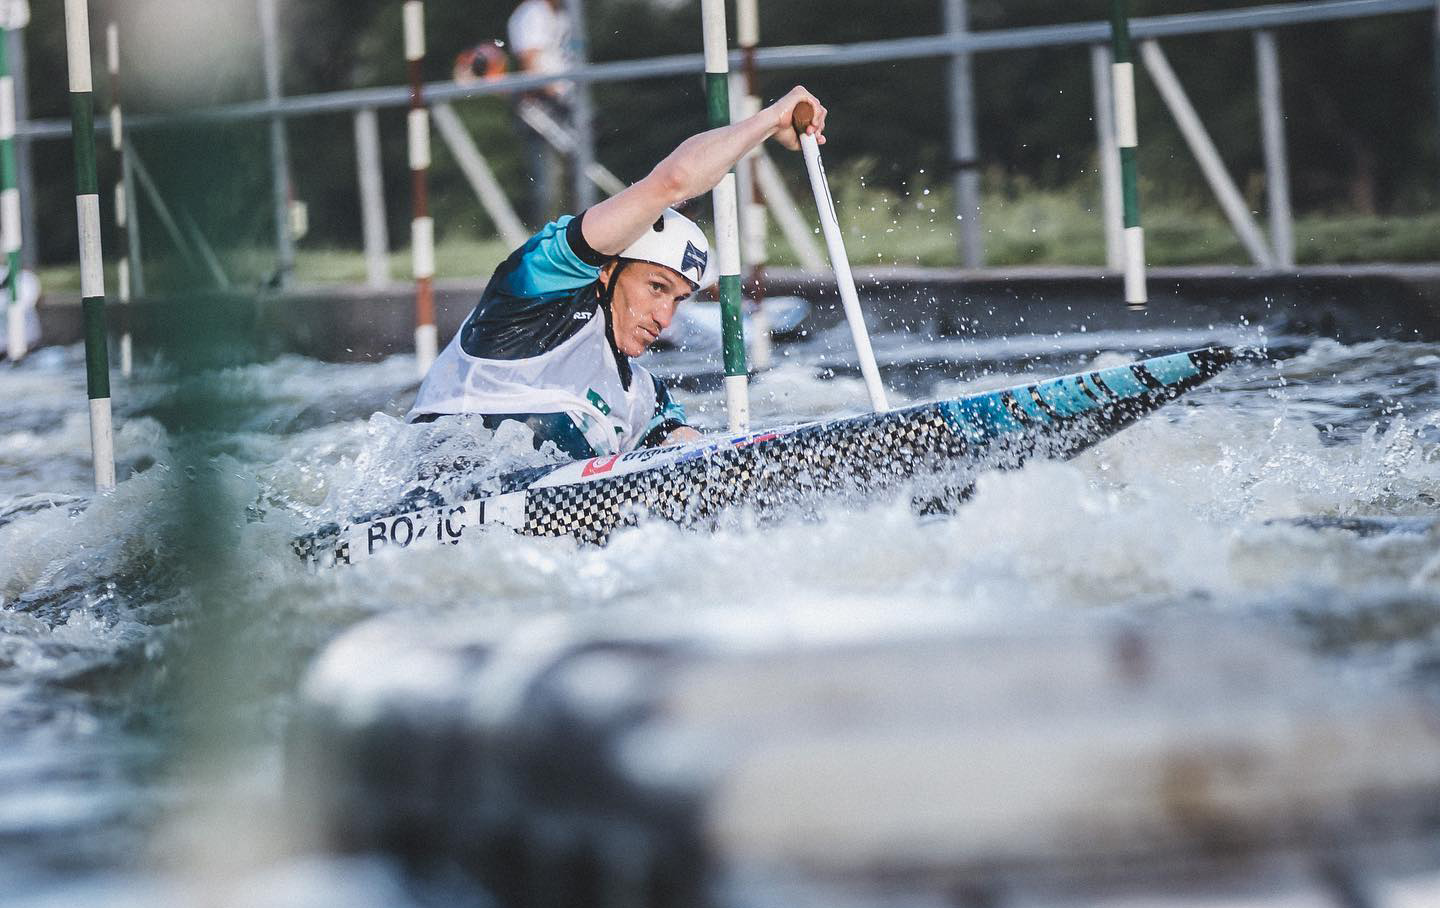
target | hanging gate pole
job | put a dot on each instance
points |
(422, 227)
(117, 144)
(16, 345)
(1122, 73)
(727, 221)
(87, 208)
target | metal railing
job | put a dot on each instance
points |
(791, 57)
(1257, 20)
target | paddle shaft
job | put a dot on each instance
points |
(835, 243)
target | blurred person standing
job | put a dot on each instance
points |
(539, 33)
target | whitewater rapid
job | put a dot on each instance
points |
(116, 610)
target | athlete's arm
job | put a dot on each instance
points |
(695, 167)
(668, 424)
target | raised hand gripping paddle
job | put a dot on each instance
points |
(835, 244)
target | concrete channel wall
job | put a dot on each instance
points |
(1349, 303)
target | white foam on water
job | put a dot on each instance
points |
(1173, 506)
(1170, 515)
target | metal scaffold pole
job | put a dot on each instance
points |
(279, 150)
(1111, 198)
(1435, 55)
(15, 48)
(1206, 155)
(372, 197)
(584, 155)
(751, 209)
(122, 210)
(1272, 131)
(422, 226)
(964, 156)
(16, 343)
(1122, 72)
(727, 220)
(92, 274)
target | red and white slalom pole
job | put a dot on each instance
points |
(835, 244)
(422, 226)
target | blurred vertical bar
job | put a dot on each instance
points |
(15, 341)
(1127, 137)
(372, 197)
(727, 220)
(15, 48)
(751, 210)
(422, 226)
(132, 222)
(1112, 205)
(964, 160)
(87, 209)
(1277, 170)
(122, 210)
(279, 152)
(584, 110)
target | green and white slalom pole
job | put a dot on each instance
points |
(1127, 136)
(15, 345)
(122, 222)
(87, 209)
(727, 220)
(422, 226)
(835, 244)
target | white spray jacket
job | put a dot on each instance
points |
(537, 344)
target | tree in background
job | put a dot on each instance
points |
(1359, 97)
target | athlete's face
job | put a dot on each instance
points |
(644, 303)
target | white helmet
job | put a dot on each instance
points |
(679, 244)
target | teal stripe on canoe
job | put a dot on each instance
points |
(1172, 369)
(985, 416)
(980, 418)
(1061, 394)
(1027, 403)
(1122, 381)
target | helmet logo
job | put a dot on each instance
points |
(694, 258)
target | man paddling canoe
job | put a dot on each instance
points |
(550, 342)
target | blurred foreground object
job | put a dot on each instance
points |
(715, 763)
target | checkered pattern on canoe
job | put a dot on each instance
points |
(862, 454)
(875, 452)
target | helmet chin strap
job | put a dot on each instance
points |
(607, 297)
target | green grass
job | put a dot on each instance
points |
(457, 257)
(1036, 227)
(1026, 227)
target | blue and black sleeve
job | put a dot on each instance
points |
(539, 297)
(669, 416)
